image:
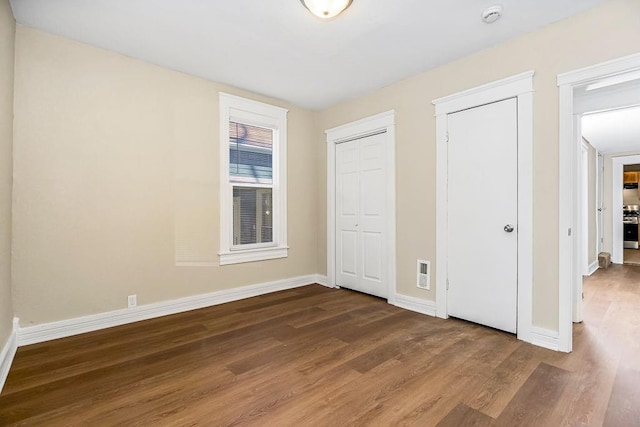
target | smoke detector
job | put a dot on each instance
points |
(492, 14)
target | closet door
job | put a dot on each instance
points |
(483, 215)
(360, 215)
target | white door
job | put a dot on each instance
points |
(360, 215)
(584, 210)
(483, 215)
(599, 200)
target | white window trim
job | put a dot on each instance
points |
(259, 114)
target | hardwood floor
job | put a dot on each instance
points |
(318, 356)
(632, 256)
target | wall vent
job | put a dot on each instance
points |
(424, 274)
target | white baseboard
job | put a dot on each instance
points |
(415, 304)
(8, 353)
(593, 267)
(323, 280)
(538, 336)
(545, 338)
(80, 325)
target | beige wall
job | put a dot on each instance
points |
(116, 167)
(116, 161)
(603, 33)
(7, 36)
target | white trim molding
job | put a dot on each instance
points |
(545, 338)
(569, 232)
(595, 72)
(379, 123)
(521, 87)
(250, 255)
(321, 279)
(242, 110)
(593, 267)
(416, 304)
(509, 87)
(8, 353)
(80, 325)
(617, 182)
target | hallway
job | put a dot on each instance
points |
(607, 343)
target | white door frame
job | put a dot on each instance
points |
(570, 277)
(582, 243)
(584, 206)
(521, 87)
(617, 182)
(379, 123)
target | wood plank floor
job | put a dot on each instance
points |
(322, 357)
(632, 256)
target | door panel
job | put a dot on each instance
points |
(349, 252)
(372, 201)
(360, 215)
(372, 244)
(482, 200)
(348, 183)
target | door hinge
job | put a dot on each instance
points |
(569, 232)
(447, 284)
(447, 136)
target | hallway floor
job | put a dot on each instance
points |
(608, 342)
(632, 256)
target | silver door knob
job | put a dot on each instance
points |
(508, 228)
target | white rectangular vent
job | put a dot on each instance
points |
(424, 274)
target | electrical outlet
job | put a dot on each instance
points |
(132, 301)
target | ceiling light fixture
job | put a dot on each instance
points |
(326, 9)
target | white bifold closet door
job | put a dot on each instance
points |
(361, 237)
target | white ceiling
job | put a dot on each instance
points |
(611, 114)
(611, 132)
(277, 48)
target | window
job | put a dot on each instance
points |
(253, 142)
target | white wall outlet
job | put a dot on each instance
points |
(132, 301)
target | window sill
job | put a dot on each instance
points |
(251, 255)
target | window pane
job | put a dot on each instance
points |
(250, 154)
(252, 215)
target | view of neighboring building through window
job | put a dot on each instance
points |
(251, 174)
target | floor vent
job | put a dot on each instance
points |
(424, 274)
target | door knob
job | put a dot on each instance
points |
(508, 228)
